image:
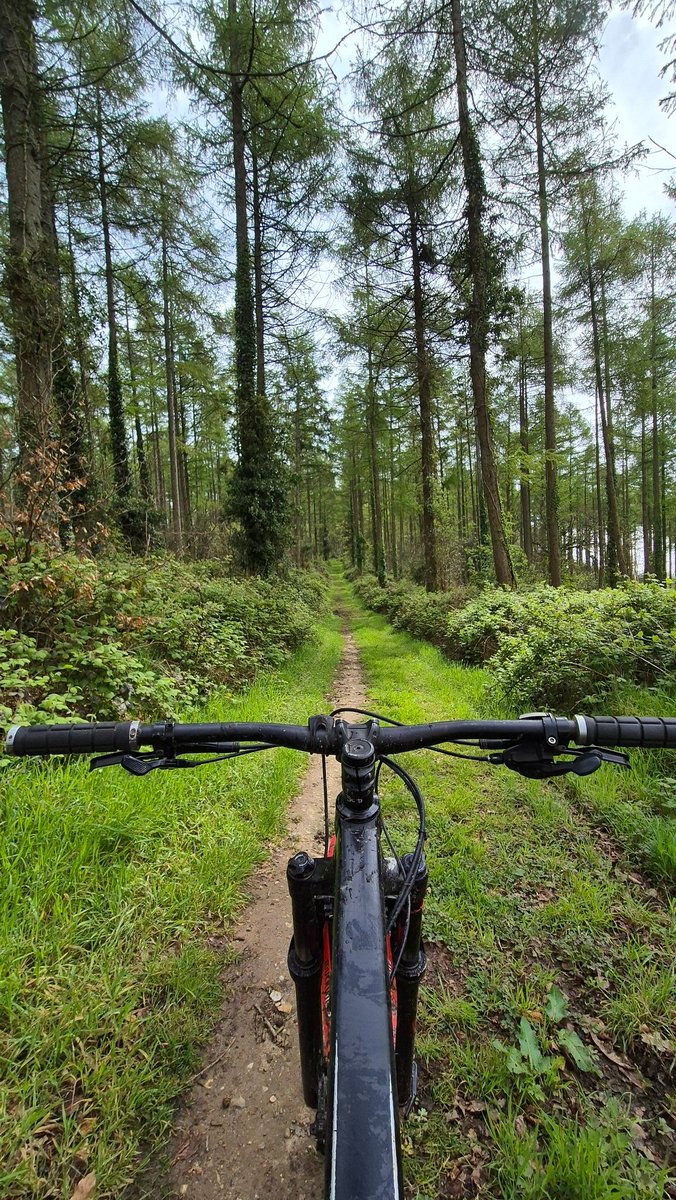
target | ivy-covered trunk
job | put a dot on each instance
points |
(258, 493)
(429, 534)
(27, 278)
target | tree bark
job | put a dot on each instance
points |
(258, 277)
(176, 514)
(371, 418)
(26, 277)
(478, 308)
(551, 486)
(657, 558)
(614, 545)
(429, 536)
(524, 468)
(118, 433)
(622, 565)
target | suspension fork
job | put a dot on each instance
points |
(310, 883)
(409, 972)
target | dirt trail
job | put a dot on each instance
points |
(243, 1131)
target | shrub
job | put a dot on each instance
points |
(547, 647)
(561, 649)
(409, 607)
(113, 636)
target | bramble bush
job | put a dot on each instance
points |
(409, 607)
(553, 648)
(560, 649)
(115, 636)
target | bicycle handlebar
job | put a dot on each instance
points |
(324, 735)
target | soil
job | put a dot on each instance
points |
(243, 1131)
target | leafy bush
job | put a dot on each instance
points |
(560, 649)
(547, 647)
(111, 636)
(410, 608)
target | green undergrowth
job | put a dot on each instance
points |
(537, 945)
(117, 894)
(561, 648)
(117, 636)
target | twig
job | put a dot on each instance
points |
(269, 1024)
(208, 1067)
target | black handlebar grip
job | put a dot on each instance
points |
(99, 737)
(627, 731)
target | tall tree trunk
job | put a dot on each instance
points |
(118, 433)
(182, 429)
(599, 496)
(645, 502)
(478, 307)
(65, 388)
(258, 497)
(657, 540)
(551, 489)
(612, 559)
(81, 357)
(258, 276)
(176, 514)
(297, 507)
(429, 536)
(371, 418)
(144, 476)
(524, 467)
(610, 434)
(26, 277)
(394, 562)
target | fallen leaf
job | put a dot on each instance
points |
(608, 1053)
(657, 1042)
(85, 1187)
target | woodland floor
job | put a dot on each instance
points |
(546, 1037)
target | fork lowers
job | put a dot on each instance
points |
(407, 978)
(310, 881)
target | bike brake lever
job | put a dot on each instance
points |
(534, 761)
(138, 764)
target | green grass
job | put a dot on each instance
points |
(523, 897)
(112, 888)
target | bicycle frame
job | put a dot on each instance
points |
(357, 1092)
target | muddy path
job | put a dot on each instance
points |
(243, 1130)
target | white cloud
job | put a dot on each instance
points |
(630, 63)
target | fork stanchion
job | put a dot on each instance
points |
(409, 973)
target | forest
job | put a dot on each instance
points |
(337, 366)
(258, 306)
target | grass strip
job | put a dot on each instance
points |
(113, 889)
(543, 961)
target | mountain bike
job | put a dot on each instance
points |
(356, 954)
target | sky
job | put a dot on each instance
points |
(630, 62)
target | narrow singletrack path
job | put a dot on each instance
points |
(243, 1131)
